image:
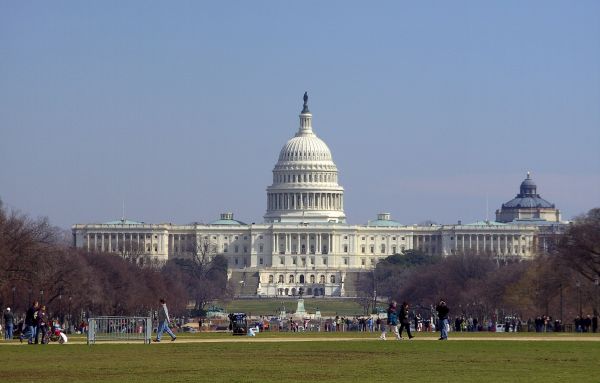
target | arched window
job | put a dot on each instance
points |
(332, 278)
(301, 278)
(382, 249)
(312, 279)
(291, 279)
(322, 279)
(270, 279)
(280, 279)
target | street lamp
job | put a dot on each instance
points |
(578, 284)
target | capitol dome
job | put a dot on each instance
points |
(305, 179)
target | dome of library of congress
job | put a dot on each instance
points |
(305, 180)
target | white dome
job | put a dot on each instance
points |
(305, 148)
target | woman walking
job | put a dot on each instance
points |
(392, 321)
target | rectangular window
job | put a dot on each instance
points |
(260, 260)
(363, 261)
(245, 249)
(324, 261)
(236, 248)
(345, 261)
(362, 249)
(260, 248)
(345, 248)
(372, 249)
(281, 261)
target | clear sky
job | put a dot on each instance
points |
(180, 108)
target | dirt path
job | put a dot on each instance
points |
(258, 339)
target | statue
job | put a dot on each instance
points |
(305, 108)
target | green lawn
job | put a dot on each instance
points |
(270, 306)
(316, 361)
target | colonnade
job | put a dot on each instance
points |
(494, 243)
(301, 243)
(135, 242)
(305, 201)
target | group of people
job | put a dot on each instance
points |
(35, 326)
(398, 320)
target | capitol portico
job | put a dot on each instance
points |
(305, 242)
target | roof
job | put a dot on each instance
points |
(486, 223)
(527, 202)
(123, 222)
(227, 222)
(383, 223)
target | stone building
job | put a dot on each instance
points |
(305, 242)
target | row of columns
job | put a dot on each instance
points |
(292, 243)
(130, 242)
(302, 201)
(503, 243)
(306, 177)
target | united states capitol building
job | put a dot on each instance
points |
(305, 242)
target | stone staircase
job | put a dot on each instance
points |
(245, 283)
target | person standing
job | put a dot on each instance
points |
(443, 310)
(404, 320)
(163, 321)
(42, 325)
(392, 321)
(9, 321)
(30, 322)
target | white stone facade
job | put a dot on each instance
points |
(305, 241)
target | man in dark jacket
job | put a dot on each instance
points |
(9, 321)
(443, 310)
(404, 320)
(30, 323)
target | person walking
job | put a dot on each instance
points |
(42, 325)
(9, 322)
(443, 310)
(163, 321)
(392, 321)
(30, 322)
(404, 320)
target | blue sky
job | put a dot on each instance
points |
(180, 108)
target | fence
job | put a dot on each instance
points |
(117, 328)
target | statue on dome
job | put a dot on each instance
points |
(305, 108)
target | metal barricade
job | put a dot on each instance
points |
(117, 328)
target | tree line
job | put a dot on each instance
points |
(37, 262)
(563, 284)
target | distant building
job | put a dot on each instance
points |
(305, 242)
(528, 205)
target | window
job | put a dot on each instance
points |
(312, 279)
(236, 261)
(363, 238)
(260, 237)
(372, 248)
(403, 238)
(322, 279)
(224, 247)
(280, 279)
(345, 237)
(332, 279)
(236, 237)
(363, 261)
(362, 249)
(393, 238)
(372, 238)
(245, 249)
(236, 248)
(345, 248)
(245, 237)
(382, 249)
(324, 261)
(294, 260)
(394, 250)
(291, 279)
(281, 261)
(260, 260)
(270, 279)
(346, 261)
(260, 248)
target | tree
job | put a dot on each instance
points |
(580, 246)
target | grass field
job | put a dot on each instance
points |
(270, 306)
(281, 358)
